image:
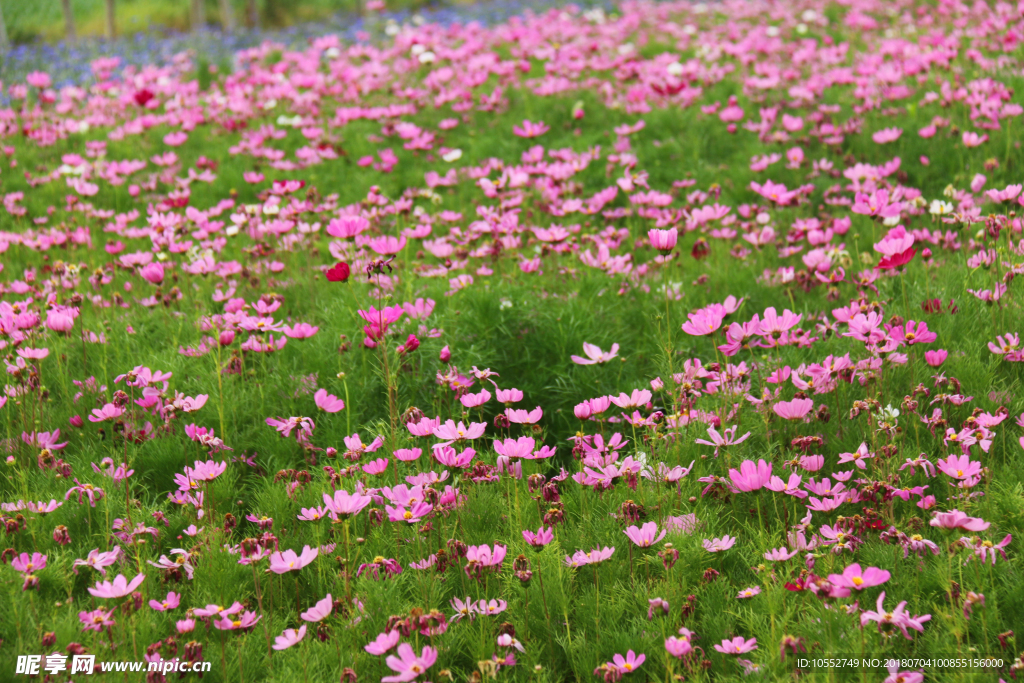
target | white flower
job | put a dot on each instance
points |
(270, 104)
(428, 57)
(801, 28)
(808, 15)
(391, 29)
(690, 29)
(674, 69)
(626, 48)
(505, 303)
(452, 155)
(940, 208)
(891, 221)
(772, 31)
(332, 53)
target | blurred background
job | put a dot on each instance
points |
(63, 37)
(29, 21)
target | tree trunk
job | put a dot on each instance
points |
(111, 25)
(227, 18)
(253, 14)
(69, 21)
(5, 43)
(198, 14)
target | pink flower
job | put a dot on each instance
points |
(62, 321)
(507, 396)
(480, 557)
(475, 400)
(530, 129)
(450, 432)
(972, 139)
(170, 602)
(718, 440)
(289, 637)
(515, 448)
(413, 515)
(288, 561)
(780, 554)
(300, 331)
(935, 358)
(175, 139)
(407, 666)
(636, 399)
(793, 410)
(524, 417)
(663, 240)
(153, 272)
(914, 333)
(312, 514)
(27, 565)
(387, 245)
(328, 402)
(748, 592)
(718, 545)
(107, 412)
(737, 646)
(629, 663)
(645, 536)
(961, 467)
(119, 588)
(954, 519)
(375, 467)
(853, 577)
(595, 355)
(750, 476)
(408, 454)
(383, 643)
(898, 618)
(39, 79)
(858, 457)
(703, 322)
(887, 135)
(1006, 195)
(680, 647)
(345, 504)
(320, 610)
(896, 247)
(96, 620)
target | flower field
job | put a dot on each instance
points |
(671, 342)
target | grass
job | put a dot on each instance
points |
(523, 326)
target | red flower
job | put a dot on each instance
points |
(142, 97)
(896, 260)
(339, 273)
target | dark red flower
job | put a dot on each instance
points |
(339, 273)
(142, 97)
